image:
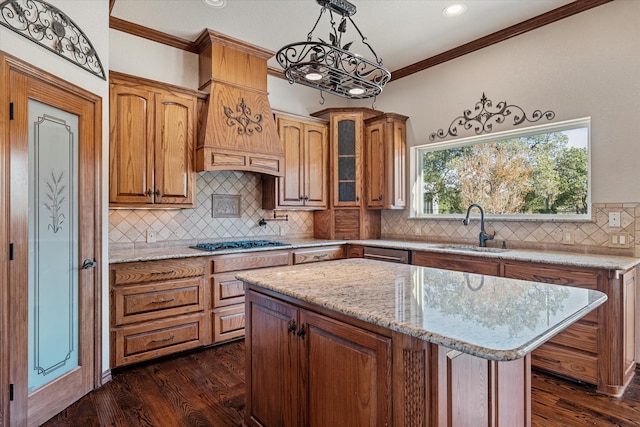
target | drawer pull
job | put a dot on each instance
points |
(164, 339)
(164, 272)
(162, 301)
(545, 359)
(546, 278)
(320, 256)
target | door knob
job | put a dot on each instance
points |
(89, 263)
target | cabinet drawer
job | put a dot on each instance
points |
(355, 251)
(225, 263)
(159, 338)
(228, 323)
(579, 336)
(153, 301)
(548, 274)
(457, 263)
(565, 362)
(315, 255)
(226, 290)
(151, 271)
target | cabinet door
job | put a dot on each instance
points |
(346, 374)
(272, 362)
(174, 147)
(375, 166)
(316, 163)
(395, 167)
(131, 145)
(291, 186)
(347, 147)
(457, 263)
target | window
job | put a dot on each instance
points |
(538, 172)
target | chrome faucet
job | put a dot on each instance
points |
(483, 235)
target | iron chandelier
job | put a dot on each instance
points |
(331, 67)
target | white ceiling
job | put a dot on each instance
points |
(402, 32)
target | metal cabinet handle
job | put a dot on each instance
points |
(546, 278)
(320, 256)
(89, 263)
(158, 193)
(163, 272)
(292, 326)
(164, 339)
(149, 192)
(162, 301)
(301, 331)
(380, 197)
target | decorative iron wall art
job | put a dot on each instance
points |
(484, 116)
(52, 29)
(244, 120)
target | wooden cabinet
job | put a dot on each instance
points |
(599, 349)
(325, 253)
(385, 166)
(227, 305)
(306, 166)
(152, 142)
(157, 308)
(456, 262)
(355, 251)
(307, 369)
(347, 216)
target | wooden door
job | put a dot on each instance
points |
(54, 217)
(346, 374)
(174, 147)
(316, 163)
(291, 185)
(375, 166)
(131, 134)
(346, 141)
(272, 362)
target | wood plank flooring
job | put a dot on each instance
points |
(206, 389)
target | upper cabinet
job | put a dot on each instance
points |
(152, 141)
(385, 154)
(306, 162)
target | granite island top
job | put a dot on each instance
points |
(608, 262)
(490, 317)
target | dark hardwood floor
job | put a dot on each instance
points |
(206, 388)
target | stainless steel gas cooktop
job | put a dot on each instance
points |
(243, 244)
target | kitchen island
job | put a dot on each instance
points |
(360, 342)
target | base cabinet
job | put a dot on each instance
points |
(308, 369)
(599, 349)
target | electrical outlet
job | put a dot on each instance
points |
(568, 237)
(151, 236)
(614, 219)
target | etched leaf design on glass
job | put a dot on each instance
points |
(56, 197)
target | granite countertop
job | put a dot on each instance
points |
(490, 317)
(159, 253)
(608, 262)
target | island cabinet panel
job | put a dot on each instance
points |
(326, 253)
(456, 263)
(308, 369)
(157, 308)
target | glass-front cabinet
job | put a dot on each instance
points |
(347, 160)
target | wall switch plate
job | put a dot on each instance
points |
(620, 240)
(614, 219)
(151, 236)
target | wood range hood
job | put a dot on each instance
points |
(237, 130)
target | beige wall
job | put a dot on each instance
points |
(584, 66)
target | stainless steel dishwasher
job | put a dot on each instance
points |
(401, 256)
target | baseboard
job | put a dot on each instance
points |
(106, 377)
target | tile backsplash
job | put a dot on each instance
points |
(593, 236)
(128, 227)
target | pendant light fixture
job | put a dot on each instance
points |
(331, 67)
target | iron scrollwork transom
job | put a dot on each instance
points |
(246, 121)
(484, 116)
(52, 29)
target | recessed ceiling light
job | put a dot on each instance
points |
(454, 9)
(215, 3)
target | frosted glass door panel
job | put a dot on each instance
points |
(53, 244)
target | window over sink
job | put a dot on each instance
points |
(541, 172)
